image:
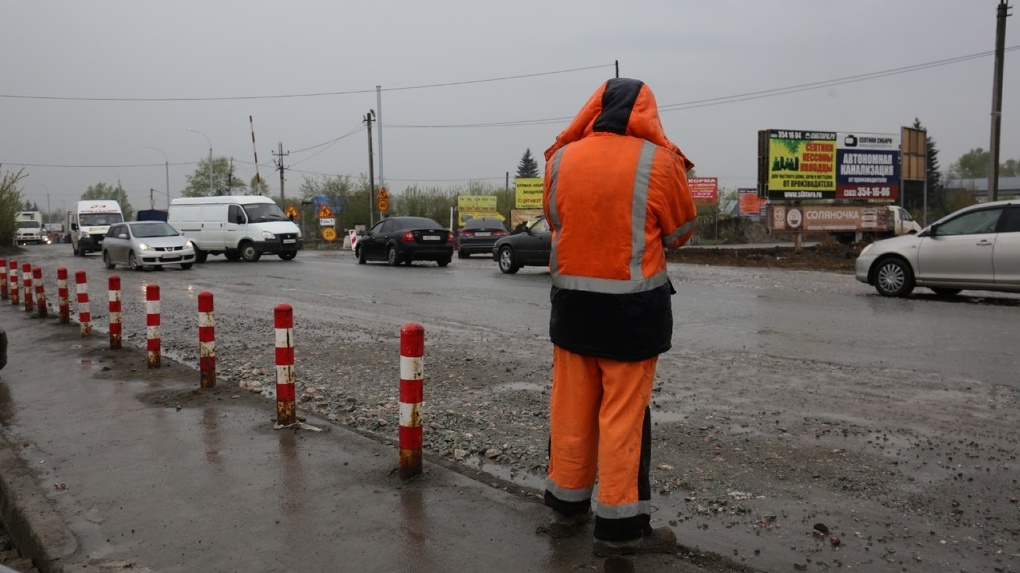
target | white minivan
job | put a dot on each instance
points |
(241, 227)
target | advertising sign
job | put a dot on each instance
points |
(477, 206)
(784, 218)
(528, 192)
(801, 164)
(704, 190)
(868, 166)
(749, 204)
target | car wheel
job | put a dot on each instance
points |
(391, 256)
(133, 262)
(200, 255)
(362, 259)
(461, 253)
(232, 255)
(186, 266)
(288, 255)
(508, 261)
(893, 277)
(106, 260)
(249, 253)
(947, 292)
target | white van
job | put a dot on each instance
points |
(237, 226)
(89, 222)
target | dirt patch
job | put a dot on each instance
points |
(822, 257)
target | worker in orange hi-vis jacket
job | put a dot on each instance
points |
(616, 197)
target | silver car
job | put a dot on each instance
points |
(975, 248)
(140, 244)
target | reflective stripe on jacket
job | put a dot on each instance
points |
(615, 196)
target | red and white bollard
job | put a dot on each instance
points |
(26, 283)
(115, 313)
(286, 412)
(412, 390)
(152, 343)
(3, 279)
(12, 272)
(40, 292)
(206, 340)
(81, 287)
(63, 300)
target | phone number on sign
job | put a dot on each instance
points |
(869, 192)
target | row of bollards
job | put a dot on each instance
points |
(412, 346)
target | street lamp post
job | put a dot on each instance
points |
(210, 157)
(166, 164)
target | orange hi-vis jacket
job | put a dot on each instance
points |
(616, 196)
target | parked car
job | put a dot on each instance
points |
(3, 348)
(405, 239)
(140, 244)
(478, 236)
(528, 245)
(975, 248)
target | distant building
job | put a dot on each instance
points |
(1009, 187)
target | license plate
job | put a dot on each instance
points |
(289, 241)
(483, 234)
(171, 257)
(430, 237)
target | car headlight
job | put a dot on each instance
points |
(189, 245)
(143, 246)
(268, 236)
(84, 235)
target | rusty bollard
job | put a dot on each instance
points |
(81, 286)
(115, 314)
(152, 341)
(286, 411)
(40, 293)
(206, 340)
(412, 389)
(63, 300)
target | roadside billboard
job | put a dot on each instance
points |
(477, 206)
(868, 166)
(528, 192)
(800, 165)
(704, 190)
(749, 204)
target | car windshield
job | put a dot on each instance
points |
(264, 212)
(418, 223)
(28, 224)
(483, 224)
(149, 230)
(99, 219)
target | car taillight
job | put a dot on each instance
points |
(498, 233)
(449, 236)
(408, 237)
(467, 233)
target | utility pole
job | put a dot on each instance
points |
(152, 202)
(371, 174)
(280, 168)
(1000, 44)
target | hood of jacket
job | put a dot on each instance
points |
(622, 106)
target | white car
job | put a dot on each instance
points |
(140, 244)
(975, 248)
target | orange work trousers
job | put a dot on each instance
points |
(600, 425)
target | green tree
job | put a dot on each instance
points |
(10, 204)
(258, 186)
(431, 202)
(223, 181)
(527, 167)
(971, 165)
(110, 193)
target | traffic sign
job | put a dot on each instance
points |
(325, 211)
(384, 205)
(292, 213)
(329, 233)
(382, 194)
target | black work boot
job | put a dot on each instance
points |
(659, 540)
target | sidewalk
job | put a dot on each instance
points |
(107, 465)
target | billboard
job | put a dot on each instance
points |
(704, 190)
(799, 164)
(477, 206)
(528, 192)
(749, 204)
(868, 166)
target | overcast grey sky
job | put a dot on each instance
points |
(88, 86)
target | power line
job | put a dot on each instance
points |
(304, 95)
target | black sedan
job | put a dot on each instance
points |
(528, 245)
(478, 236)
(405, 239)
